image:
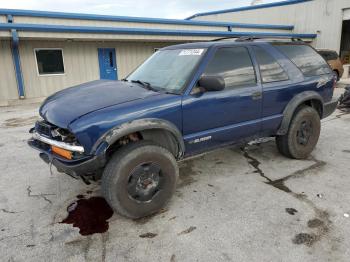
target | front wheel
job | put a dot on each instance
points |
(302, 135)
(140, 179)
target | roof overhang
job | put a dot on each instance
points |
(139, 31)
(94, 17)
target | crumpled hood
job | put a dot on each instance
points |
(67, 105)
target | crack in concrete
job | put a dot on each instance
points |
(9, 212)
(41, 195)
(254, 163)
(279, 183)
(323, 228)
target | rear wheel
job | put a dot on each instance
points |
(140, 179)
(302, 136)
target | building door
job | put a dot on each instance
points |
(108, 63)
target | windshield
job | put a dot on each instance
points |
(167, 70)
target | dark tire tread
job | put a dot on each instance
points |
(120, 157)
(285, 142)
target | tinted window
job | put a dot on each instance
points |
(306, 58)
(50, 61)
(270, 70)
(234, 65)
(328, 55)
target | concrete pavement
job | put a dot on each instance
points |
(230, 205)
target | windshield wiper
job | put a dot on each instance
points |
(146, 85)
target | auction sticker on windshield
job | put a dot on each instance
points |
(191, 52)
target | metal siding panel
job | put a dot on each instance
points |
(115, 37)
(75, 22)
(80, 62)
(5, 34)
(8, 84)
(276, 15)
(131, 55)
(324, 16)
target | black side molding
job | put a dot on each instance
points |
(329, 107)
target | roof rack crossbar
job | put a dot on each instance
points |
(252, 38)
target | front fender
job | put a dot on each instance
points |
(293, 105)
(139, 125)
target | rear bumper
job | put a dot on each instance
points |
(85, 166)
(329, 107)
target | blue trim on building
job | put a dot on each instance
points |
(16, 58)
(32, 13)
(139, 31)
(246, 8)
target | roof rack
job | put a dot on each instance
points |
(252, 38)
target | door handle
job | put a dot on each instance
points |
(257, 95)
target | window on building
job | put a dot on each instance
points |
(305, 58)
(234, 65)
(270, 70)
(49, 61)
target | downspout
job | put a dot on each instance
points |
(16, 59)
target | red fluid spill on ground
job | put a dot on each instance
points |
(89, 215)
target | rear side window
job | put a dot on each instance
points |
(306, 59)
(328, 55)
(234, 65)
(270, 70)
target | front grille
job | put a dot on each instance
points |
(44, 128)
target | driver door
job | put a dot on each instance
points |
(215, 118)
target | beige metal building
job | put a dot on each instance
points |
(330, 19)
(44, 52)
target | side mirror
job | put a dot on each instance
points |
(212, 83)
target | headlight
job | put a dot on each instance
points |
(63, 135)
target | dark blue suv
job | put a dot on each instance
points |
(184, 100)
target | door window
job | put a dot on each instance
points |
(270, 70)
(234, 65)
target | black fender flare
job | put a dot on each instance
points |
(140, 125)
(293, 105)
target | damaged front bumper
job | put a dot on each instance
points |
(82, 167)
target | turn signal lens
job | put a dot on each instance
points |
(62, 152)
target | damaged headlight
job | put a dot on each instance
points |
(63, 135)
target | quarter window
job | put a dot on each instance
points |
(49, 61)
(270, 70)
(328, 55)
(234, 65)
(306, 59)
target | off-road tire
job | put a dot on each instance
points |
(116, 178)
(289, 145)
